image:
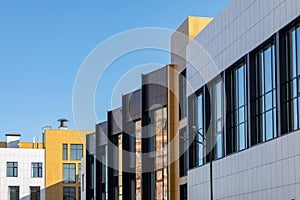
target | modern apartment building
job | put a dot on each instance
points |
(64, 150)
(22, 169)
(230, 101)
(244, 103)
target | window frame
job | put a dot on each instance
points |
(39, 168)
(17, 192)
(233, 109)
(65, 154)
(78, 151)
(67, 194)
(69, 173)
(259, 110)
(14, 169)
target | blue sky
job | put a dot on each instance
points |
(43, 44)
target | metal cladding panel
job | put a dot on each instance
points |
(114, 121)
(155, 89)
(132, 106)
(101, 134)
(91, 143)
(235, 31)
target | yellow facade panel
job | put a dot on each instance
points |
(54, 140)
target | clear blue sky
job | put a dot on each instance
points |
(43, 43)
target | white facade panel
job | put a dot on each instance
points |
(83, 178)
(24, 158)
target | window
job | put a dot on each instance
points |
(76, 151)
(182, 95)
(264, 94)
(69, 173)
(13, 192)
(290, 80)
(12, 169)
(69, 193)
(183, 192)
(199, 137)
(37, 169)
(79, 173)
(79, 193)
(215, 137)
(34, 193)
(183, 146)
(237, 109)
(138, 161)
(65, 151)
(161, 139)
(82, 182)
(196, 128)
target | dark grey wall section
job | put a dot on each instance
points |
(101, 142)
(101, 134)
(114, 119)
(132, 106)
(155, 89)
(90, 143)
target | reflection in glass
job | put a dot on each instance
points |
(216, 137)
(138, 148)
(237, 109)
(264, 117)
(161, 150)
(290, 81)
(199, 136)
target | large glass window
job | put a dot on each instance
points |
(290, 80)
(37, 169)
(183, 192)
(199, 138)
(69, 193)
(79, 173)
(69, 173)
(183, 146)
(35, 193)
(65, 151)
(161, 162)
(12, 169)
(215, 137)
(13, 192)
(76, 151)
(138, 149)
(236, 109)
(264, 115)
(196, 128)
(182, 95)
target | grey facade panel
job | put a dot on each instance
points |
(91, 143)
(266, 170)
(114, 120)
(132, 106)
(101, 134)
(155, 89)
(237, 30)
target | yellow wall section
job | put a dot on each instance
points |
(173, 127)
(54, 140)
(31, 145)
(196, 25)
(3, 144)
